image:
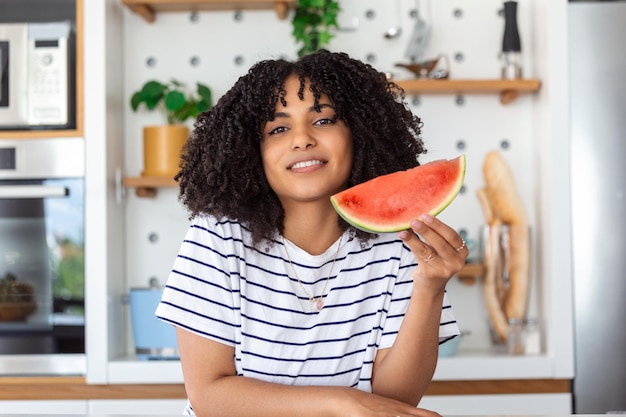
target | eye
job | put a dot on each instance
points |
(326, 120)
(276, 130)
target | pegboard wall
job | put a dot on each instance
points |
(216, 48)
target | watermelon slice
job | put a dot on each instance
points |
(390, 202)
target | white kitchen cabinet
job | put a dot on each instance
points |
(137, 407)
(503, 404)
(61, 407)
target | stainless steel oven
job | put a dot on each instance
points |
(42, 274)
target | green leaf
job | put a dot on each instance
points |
(153, 89)
(206, 95)
(135, 101)
(174, 100)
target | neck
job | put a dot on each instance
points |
(312, 227)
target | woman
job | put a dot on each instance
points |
(281, 307)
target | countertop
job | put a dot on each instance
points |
(178, 415)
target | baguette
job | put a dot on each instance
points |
(492, 258)
(516, 297)
(507, 206)
(504, 200)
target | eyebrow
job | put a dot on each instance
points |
(310, 110)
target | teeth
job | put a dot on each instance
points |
(306, 164)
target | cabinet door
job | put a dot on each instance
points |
(41, 406)
(138, 407)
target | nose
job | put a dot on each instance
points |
(302, 139)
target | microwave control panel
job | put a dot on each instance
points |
(48, 80)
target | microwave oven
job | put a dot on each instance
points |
(37, 71)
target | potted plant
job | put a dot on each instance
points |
(162, 144)
(312, 22)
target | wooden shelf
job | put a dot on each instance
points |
(148, 8)
(147, 186)
(509, 90)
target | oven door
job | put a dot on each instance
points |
(13, 76)
(42, 284)
(42, 273)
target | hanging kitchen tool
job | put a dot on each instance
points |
(437, 68)
(396, 31)
(511, 45)
(420, 38)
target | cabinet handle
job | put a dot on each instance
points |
(32, 191)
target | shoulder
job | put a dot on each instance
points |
(219, 227)
(226, 235)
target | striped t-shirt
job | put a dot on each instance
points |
(222, 288)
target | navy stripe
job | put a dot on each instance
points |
(312, 358)
(303, 375)
(194, 330)
(309, 343)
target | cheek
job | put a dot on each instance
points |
(268, 159)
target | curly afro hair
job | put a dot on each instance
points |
(221, 168)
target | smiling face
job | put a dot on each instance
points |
(307, 155)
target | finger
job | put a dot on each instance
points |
(426, 413)
(440, 236)
(422, 250)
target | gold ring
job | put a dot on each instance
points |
(460, 248)
(430, 257)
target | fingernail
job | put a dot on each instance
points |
(416, 224)
(427, 218)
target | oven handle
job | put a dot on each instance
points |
(32, 191)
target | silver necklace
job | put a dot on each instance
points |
(315, 302)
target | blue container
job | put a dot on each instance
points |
(450, 347)
(154, 339)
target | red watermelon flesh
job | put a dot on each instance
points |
(389, 203)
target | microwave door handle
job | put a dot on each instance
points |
(32, 191)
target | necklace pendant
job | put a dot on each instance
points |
(319, 304)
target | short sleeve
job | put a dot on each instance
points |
(199, 293)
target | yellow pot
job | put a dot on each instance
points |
(162, 146)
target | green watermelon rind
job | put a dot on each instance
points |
(404, 226)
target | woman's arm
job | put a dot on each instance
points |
(405, 370)
(214, 390)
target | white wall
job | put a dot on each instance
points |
(469, 33)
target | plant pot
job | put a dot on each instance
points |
(16, 311)
(162, 146)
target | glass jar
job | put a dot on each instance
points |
(532, 337)
(515, 337)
